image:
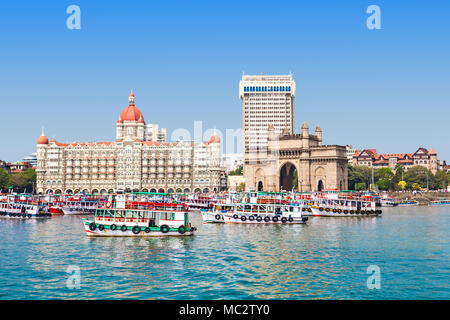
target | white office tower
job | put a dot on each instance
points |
(266, 100)
(156, 135)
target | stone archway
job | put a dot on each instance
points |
(187, 190)
(161, 190)
(260, 186)
(69, 191)
(153, 190)
(320, 186)
(287, 176)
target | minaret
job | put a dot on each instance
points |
(305, 135)
(319, 135)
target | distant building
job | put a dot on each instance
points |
(422, 157)
(446, 169)
(17, 167)
(232, 161)
(156, 135)
(32, 159)
(350, 153)
(266, 100)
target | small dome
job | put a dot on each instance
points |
(131, 113)
(42, 140)
(214, 139)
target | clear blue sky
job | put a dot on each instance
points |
(387, 89)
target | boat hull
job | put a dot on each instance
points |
(316, 212)
(129, 233)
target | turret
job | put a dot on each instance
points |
(305, 135)
(318, 134)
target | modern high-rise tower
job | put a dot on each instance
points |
(266, 100)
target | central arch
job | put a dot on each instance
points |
(288, 173)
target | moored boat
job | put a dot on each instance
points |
(442, 202)
(152, 222)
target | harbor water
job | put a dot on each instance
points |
(328, 258)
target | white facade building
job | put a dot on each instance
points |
(266, 100)
(131, 163)
(154, 134)
(232, 161)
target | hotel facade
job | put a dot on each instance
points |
(131, 163)
(422, 157)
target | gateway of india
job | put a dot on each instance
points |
(273, 154)
(131, 163)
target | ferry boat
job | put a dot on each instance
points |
(157, 220)
(80, 207)
(198, 202)
(24, 210)
(387, 202)
(256, 213)
(341, 208)
(442, 202)
(215, 215)
(407, 203)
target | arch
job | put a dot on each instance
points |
(197, 190)
(186, 190)
(161, 190)
(287, 175)
(170, 190)
(153, 190)
(206, 190)
(85, 191)
(103, 191)
(179, 190)
(58, 191)
(76, 191)
(69, 191)
(144, 190)
(94, 191)
(320, 185)
(260, 186)
(135, 190)
(111, 191)
(49, 191)
(127, 190)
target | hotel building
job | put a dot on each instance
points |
(131, 163)
(265, 100)
(422, 157)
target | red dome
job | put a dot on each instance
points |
(214, 139)
(131, 113)
(42, 140)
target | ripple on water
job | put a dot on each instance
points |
(327, 258)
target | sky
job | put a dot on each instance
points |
(386, 89)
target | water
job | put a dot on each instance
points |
(328, 258)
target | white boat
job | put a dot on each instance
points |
(256, 213)
(24, 211)
(123, 222)
(341, 208)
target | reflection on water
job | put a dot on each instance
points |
(327, 258)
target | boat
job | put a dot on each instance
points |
(215, 214)
(442, 202)
(24, 210)
(73, 207)
(341, 207)
(407, 203)
(155, 221)
(257, 213)
(387, 202)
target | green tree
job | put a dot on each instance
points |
(360, 186)
(236, 172)
(420, 175)
(5, 180)
(241, 187)
(415, 186)
(358, 174)
(442, 179)
(24, 181)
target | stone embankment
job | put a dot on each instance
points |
(424, 198)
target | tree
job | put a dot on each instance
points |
(236, 172)
(241, 187)
(5, 180)
(357, 175)
(360, 186)
(442, 179)
(402, 184)
(415, 186)
(422, 176)
(24, 181)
